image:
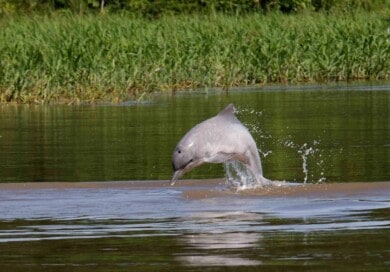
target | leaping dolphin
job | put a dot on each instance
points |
(216, 140)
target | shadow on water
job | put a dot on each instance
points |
(322, 136)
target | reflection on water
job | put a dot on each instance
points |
(222, 240)
(332, 135)
(216, 248)
(146, 229)
(215, 260)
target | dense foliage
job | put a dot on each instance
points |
(109, 57)
(87, 50)
(152, 8)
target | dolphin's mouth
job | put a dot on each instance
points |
(178, 172)
(182, 167)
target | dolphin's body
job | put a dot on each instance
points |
(216, 140)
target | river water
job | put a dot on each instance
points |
(85, 188)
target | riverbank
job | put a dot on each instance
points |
(65, 58)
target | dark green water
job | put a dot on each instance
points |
(348, 132)
(338, 134)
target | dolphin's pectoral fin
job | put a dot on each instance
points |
(240, 158)
(221, 157)
(192, 165)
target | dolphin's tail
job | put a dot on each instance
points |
(264, 182)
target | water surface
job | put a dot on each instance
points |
(337, 136)
(345, 132)
(151, 226)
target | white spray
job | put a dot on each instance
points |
(239, 177)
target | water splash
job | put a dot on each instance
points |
(309, 151)
(305, 152)
(238, 176)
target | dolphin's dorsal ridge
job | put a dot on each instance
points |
(228, 111)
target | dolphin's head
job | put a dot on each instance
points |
(184, 159)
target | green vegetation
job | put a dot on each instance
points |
(155, 8)
(63, 57)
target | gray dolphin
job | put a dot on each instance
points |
(216, 140)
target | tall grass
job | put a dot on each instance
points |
(68, 58)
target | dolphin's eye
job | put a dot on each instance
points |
(179, 151)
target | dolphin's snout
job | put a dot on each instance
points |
(176, 175)
(179, 168)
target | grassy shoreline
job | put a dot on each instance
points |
(64, 58)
